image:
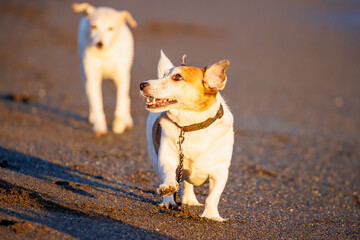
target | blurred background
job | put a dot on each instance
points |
(294, 65)
(293, 87)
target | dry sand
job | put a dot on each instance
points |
(293, 86)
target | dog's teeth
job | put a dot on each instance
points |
(147, 100)
(153, 101)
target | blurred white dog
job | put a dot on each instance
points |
(184, 102)
(106, 49)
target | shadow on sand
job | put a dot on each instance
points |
(44, 170)
(64, 219)
(28, 103)
(75, 222)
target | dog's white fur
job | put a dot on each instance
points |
(106, 49)
(207, 152)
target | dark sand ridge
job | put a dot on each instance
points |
(293, 88)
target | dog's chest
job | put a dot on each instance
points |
(201, 157)
(110, 69)
(195, 143)
(204, 150)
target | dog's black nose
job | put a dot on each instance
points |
(99, 44)
(143, 85)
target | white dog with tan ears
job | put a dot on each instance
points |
(106, 49)
(189, 131)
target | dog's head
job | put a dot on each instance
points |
(103, 23)
(184, 87)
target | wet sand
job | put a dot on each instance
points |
(293, 87)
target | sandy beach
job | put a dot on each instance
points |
(293, 87)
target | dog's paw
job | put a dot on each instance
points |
(191, 202)
(169, 205)
(100, 133)
(166, 190)
(100, 128)
(120, 125)
(218, 219)
(214, 217)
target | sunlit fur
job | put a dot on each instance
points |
(207, 151)
(106, 49)
(197, 98)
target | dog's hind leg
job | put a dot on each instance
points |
(188, 196)
(123, 120)
(217, 184)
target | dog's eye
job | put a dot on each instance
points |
(177, 77)
(110, 28)
(93, 27)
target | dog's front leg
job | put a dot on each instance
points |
(168, 163)
(217, 182)
(188, 196)
(123, 118)
(94, 94)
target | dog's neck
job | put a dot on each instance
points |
(186, 117)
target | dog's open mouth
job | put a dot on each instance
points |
(152, 102)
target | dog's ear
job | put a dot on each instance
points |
(125, 15)
(214, 76)
(83, 7)
(164, 65)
